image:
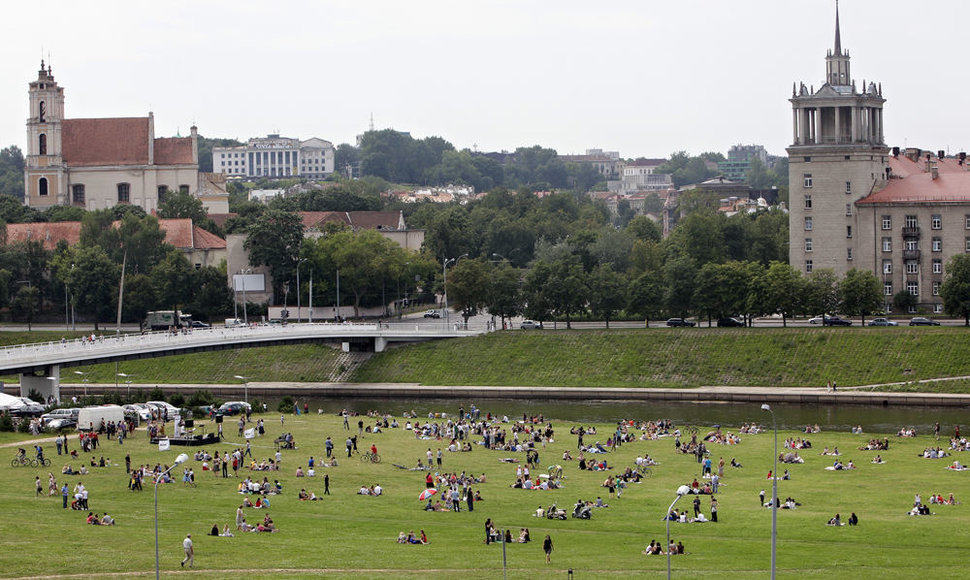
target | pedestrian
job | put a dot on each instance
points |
(329, 446)
(60, 443)
(547, 548)
(189, 551)
(64, 494)
(350, 446)
(761, 502)
(470, 497)
(713, 509)
(281, 419)
(249, 450)
(38, 485)
(346, 419)
(715, 480)
(326, 484)
(697, 505)
(439, 458)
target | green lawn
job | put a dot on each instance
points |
(350, 536)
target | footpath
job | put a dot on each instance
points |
(855, 395)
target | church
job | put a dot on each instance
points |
(100, 163)
(857, 203)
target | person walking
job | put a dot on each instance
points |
(64, 494)
(326, 484)
(713, 509)
(761, 501)
(328, 444)
(189, 551)
(128, 463)
(350, 446)
(547, 548)
(38, 485)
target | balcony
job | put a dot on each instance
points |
(911, 232)
(911, 255)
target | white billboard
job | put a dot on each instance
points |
(249, 282)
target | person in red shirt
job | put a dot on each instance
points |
(429, 481)
(373, 449)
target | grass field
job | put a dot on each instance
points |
(350, 536)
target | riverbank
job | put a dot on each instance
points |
(721, 394)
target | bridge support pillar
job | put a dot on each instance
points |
(380, 344)
(345, 346)
(48, 385)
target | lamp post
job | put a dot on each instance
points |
(182, 458)
(774, 494)
(681, 492)
(298, 309)
(245, 381)
(444, 281)
(127, 378)
(84, 380)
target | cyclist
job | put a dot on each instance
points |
(373, 449)
(21, 453)
(40, 452)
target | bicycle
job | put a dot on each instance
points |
(368, 457)
(20, 461)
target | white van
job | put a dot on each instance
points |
(89, 418)
(233, 322)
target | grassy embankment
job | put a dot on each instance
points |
(594, 358)
(350, 536)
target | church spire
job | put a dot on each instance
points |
(838, 35)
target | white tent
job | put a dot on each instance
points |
(12, 403)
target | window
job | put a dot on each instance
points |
(42, 116)
(42, 144)
(911, 309)
(887, 267)
(183, 189)
(912, 245)
(848, 187)
(887, 288)
(808, 266)
(937, 266)
(966, 222)
(912, 288)
(42, 187)
(848, 231)
(848, 254)
(808, 201)
(938, 308)
(912, 267)
(937, 244)
(887, 244)
(936, 222)
(808, 159)
(912, 222)
(808, 244)
(808, 225)
(77, 193)
(848, 209)
(967, 242)
(887, 222)
(162, 192)
(808, 179)
(936, 288)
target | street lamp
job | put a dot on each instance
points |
(245, 381)
(84, 379)
(182, 458)
(681, 492)
(298, 262)
(444, 280)
(774, 493)
(127, 378)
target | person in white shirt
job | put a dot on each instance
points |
(189, 551)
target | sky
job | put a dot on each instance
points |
(642, 77)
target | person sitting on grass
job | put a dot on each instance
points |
(836, 521)
(853, 519)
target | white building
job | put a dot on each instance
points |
(275, 156)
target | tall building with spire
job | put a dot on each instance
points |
(100, 163)
(837, 157)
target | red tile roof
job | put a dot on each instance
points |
(47, 232)
(121, 141)
(174, 151)
(912, 183)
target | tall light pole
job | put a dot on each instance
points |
(245, 381)
(298, 309)
(84, 380)
(127, 378)
(444, 281)
(681, 492)
(774, 494)
(182, 458)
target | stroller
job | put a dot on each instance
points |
(582, 511)
(554, 513)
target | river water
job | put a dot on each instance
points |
(730, 415)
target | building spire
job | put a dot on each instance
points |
(838, 35)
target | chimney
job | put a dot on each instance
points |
(934, 171)
(896, 152)
(941, 154)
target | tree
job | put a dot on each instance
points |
(607, 292)
(504, 292)
(904, 301)
(174, 281)
(780, 288)
(644, 228)
(537, 303)
(680, 277)
(467, 287)
(955, 290)
(567, 292)
(821, 292)
(861, 293)
(274, 240)
(213, 298)
(179, 205)
(92, 278)
(722, 289)
(12, 172)
(646, 294)
(346, 158)
(26, 303)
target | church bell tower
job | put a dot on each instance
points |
(44, 175)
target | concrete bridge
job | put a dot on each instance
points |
(40, 364)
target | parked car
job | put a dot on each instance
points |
(142, 410)
(530, 325)
(432, 313)
(836, 321)
(817, 320)
(923, 321)
(199, 324)
(59, 414)
(882, 322)
(233, 408)
(168, 410)
(680, 322)
(729, 322)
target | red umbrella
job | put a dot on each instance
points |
(427, 493)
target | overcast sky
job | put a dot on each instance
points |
(642, 77)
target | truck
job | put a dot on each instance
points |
(90, 418)
(165, 319)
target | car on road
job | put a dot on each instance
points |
(679, 322)
(817, 320)
(882, 322)
(432, 313)
(836, 321)
(199, 324)
(530, 325)
(233, 408)
(923, 321)
(729, 323)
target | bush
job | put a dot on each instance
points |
(201, 398)
(177, 399)
(286, 405)
(111, 398)
(156, 394)
(23, 425)
(6, 423)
